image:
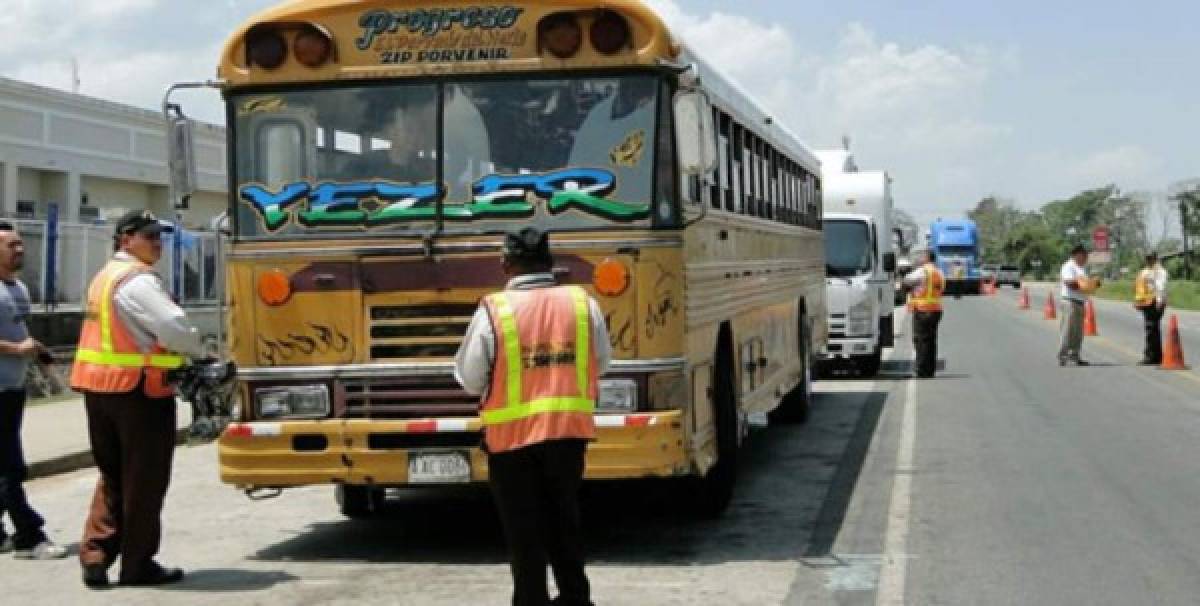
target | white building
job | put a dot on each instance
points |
(95, 159)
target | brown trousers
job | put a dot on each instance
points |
(133, 440)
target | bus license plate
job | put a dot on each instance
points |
(439, 468)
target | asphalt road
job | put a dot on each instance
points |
(1007, 480)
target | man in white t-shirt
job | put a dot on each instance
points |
(1073, 280)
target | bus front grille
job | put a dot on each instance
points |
(408, 399)
(418, 331)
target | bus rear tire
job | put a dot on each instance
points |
(358, 502)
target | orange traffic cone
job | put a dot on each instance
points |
(1049, 311)
(1023, 300)
(1089, 320)
(1173, 348)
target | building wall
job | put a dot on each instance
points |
(64, 146)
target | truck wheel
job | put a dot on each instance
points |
(358, 502)
(714, 491)
(868, 366)
(794, 407)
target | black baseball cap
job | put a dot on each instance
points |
(142, 221)
(530, 245)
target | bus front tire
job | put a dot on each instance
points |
(714, 491)
(794, 407)
(358, 502)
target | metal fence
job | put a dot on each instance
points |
(62, 258)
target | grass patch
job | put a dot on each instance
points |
(1180, 294)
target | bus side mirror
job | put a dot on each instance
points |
(889, 262)
(695, 137)
(181, 156)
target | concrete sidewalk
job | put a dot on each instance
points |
(55, 435)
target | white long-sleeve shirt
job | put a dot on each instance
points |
(473, 363)
(147, 310)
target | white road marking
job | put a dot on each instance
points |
(893, 574)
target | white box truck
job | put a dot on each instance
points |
(859, 264)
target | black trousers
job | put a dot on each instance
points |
(27, 524)
(925, 329)
(1153, 316)
(537, 496)
(133, 440)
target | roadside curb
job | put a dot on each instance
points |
(77, 460)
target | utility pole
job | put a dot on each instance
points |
(1183, 221)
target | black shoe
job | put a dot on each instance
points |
(95, 576)
(159, 575)
(1082, 363)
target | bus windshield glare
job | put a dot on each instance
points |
(569, 153)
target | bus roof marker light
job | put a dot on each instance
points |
(265, 48)
(610, 278)
(312, 47)
(560, 34)
(609, 32)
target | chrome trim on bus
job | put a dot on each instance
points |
(418, 250)
(428, 369)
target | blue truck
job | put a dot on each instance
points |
(956, 242)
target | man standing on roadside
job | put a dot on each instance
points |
(16, 350)
(926, 285)
(1075, 288)
(534, 352)
(1150, 297)
(125, 349)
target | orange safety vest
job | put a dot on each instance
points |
(1143, 289)
(544, 378)
(928, 296)
(108, 359)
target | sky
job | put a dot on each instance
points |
(1027, 101)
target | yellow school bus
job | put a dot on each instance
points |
(379, 150)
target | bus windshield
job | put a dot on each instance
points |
(566, 153)
(847, 249)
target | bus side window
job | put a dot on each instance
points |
(726, 172)
(748, 172)
(738, 155)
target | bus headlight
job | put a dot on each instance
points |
(617, 395)
(293, 402)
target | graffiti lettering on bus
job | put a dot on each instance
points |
(494, 197)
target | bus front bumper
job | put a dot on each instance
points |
(378, 452)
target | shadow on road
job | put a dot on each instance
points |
(794, 488)
(225, 580)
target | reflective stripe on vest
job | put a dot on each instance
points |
(515, 408)
(929, 296)
(107, 356)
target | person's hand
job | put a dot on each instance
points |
(29, 347)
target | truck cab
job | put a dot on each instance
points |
(859, 264)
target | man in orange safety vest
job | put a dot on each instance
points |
(534, 352)
(926, 285)
(133, 333)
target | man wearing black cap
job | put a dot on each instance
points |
(534, 353)
(133, 333)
